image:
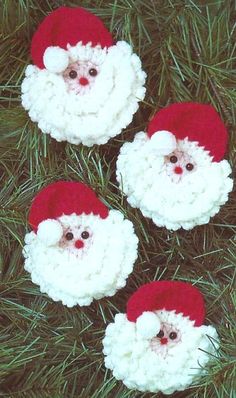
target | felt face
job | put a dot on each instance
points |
(91, 259)
(179, 164)
(92, 100)
(167, 362)
(80, 76)
(183, 189)
(167, 338)
(75, 237)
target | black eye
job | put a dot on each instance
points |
(173, 335)
(85, 235)
(173, 159)
(160, 334)
(73, 74)
(69, 236)
(189, 166)
(93, 72)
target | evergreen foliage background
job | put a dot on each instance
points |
(189, 53)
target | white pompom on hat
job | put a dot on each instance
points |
(50, 232)
(148, 324)
(164, 142)
(56, 59)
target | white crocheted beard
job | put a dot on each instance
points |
(183, 189)
(93, 105)
(147, 364)
(96, 267)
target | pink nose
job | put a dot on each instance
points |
(79, 244)
(164, 340)
(178, 170)
(83, 81)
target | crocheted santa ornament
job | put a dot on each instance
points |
(83, 87)
(78, 250)
(161, 343)
(175, 173)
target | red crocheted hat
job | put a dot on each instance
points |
(64, 197)
(181, 297)
(66, 26)
(197, 122)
